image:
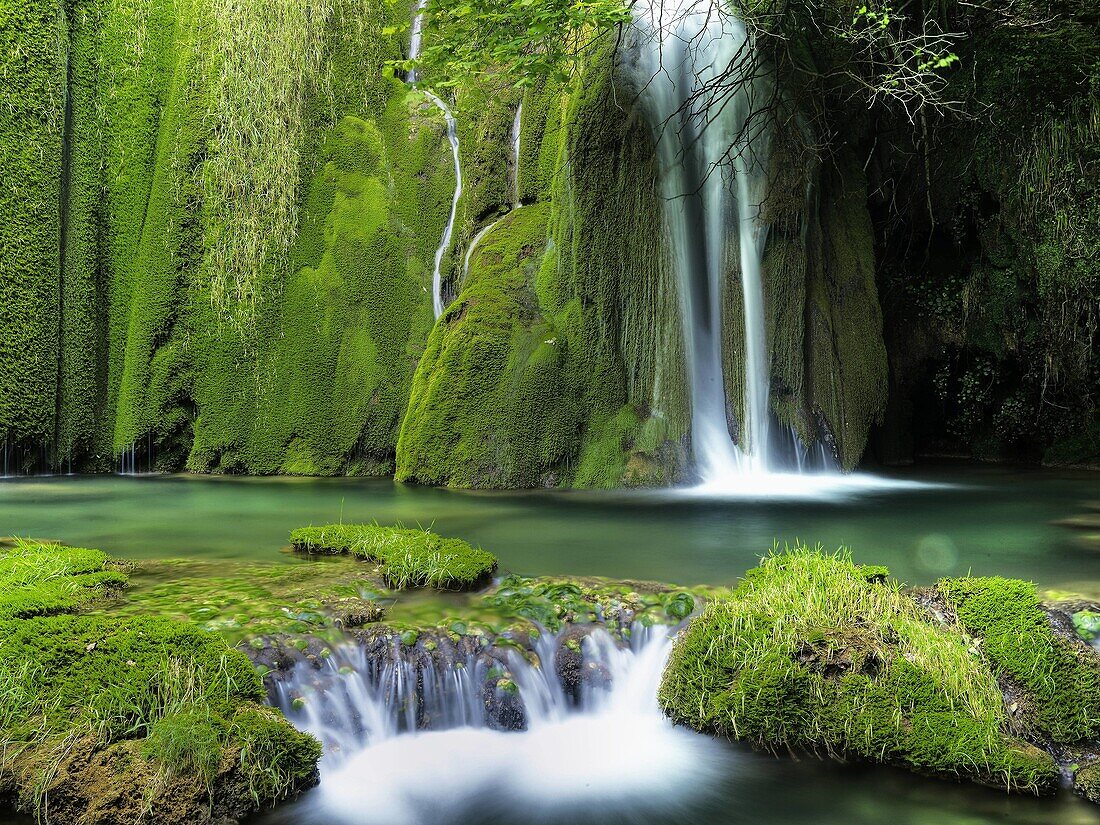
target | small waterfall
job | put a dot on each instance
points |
(357, 700)
(413, 743)
(448, 230)
(415, 41)
(517, 126)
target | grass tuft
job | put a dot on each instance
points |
(409, 558)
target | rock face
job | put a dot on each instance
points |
(817, 654)
(185, 262)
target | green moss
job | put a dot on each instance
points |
(275, 758)
(1061, 677)
(41, 579)
(809, 654)
(186, 742)
(1086, 781)
(33, 97)
(409, 558)
(494, 399)
(77, 690)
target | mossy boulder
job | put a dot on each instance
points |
(409, 558)
(1087, 782)
(129, 719)
(814, 653)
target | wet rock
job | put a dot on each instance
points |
(352, 613)
(1086, 781)
(574, 673)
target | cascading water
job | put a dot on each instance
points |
(415, 41)
(705, 92)
(699, 85)
(605, 740)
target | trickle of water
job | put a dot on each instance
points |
(416, 39)
(517, 126)
(448, 230)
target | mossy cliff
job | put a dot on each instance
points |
(220, 224)
(814, 653)
(108, 719)
(557, 362)
(217, 265)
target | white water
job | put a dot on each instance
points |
(685, 47)
(448, 230)
(612, 747)
(415, 41)
(517, 127)
(704, 92)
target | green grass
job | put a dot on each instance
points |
(813, 652)
(1062, 677)
(40, 578)
(409, 558)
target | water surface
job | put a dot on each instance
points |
(986, 520)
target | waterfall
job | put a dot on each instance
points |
(448, 230)
(413, 740)
(415, 41)
(699, 86)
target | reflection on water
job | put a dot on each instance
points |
(985, 520)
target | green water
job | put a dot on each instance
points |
(984, 520)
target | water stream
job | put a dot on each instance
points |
(415, 42)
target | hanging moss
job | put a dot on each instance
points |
(33, 72)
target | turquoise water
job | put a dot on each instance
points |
(984, 520)
(987, 520)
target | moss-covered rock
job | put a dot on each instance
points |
(1086, 781)
(42, 578)
(1061, 676)
(125, 719)
(409, 558)
(814, 653)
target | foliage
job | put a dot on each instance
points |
(531, 40)
(812, 652)
(409, 558)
